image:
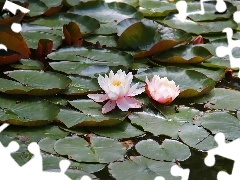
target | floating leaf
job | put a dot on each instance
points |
(40, 82)
(222, 122)
(191, 83)
(106, 12)
(148, 36)
(183, 54)
(196, 137)
(89, 57)
(102, 150)
(199, 27)
(119, 131)
(29, 64)
(169, 150)
(140, 168)
(26, 111)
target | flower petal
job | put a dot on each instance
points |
(128, 102)
(98, 97)
(133, 91)
(110, 105)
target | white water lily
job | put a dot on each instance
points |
(118, 91)
(162, 90)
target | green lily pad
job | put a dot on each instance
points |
(106, 12)
(119, 131)
(148, 36)
(40, 82)
(34, 134)
(183, 54)
(29, 64)
(222, 122)
(102, 150)
(196, 137)
(89, 57)
(191, 83)
(216, 62)
(26, 111)
(36, 8)
(169, 150)
(107, 29)
(82, 85)
(156, 123)
(140, 168)
(153, 8)
(52, 162)
(91, 115)
(220, 98)
(109, 41)
(209, 11)
(133, 3)
(56, 21)
(199, 27)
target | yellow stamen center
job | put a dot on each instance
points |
(116, 83)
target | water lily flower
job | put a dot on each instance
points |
(118, 91)
(162, 90)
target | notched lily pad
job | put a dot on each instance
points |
(191, 83)
(169, 150)
(39, 82)
(100, 149)
(26, 111)
(90, 115)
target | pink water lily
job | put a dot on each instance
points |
(162, 90)
(118, 91)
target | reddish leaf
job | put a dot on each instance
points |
(72, 33)
(198, 40)
(45, 47)
(53, 10)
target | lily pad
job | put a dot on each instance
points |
(91, 115)
(196, 137)
(154, 8)
(169, 150)
(89, 57)
(148, 36)
(82, 85)
(119, 131)
(29, 64)
(156, 123)
(183, 54)
(141, 168)
(26, 111)
(42, 83)
(222, 122)
(199, 27)
(102, 150)
(106, 12)
(220, 98)
(191, 83)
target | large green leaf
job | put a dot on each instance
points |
(156, 8)
(148, 36)
(140, 168)
(119, 131)
(220, 98)
(156, 123)
(56, 21)
(82, 85)
(222, 122)
(191, 83)
(196, 137)
(169, 150)
(91, 115)
(210, 11)
(29, 64)
(40, 82)
(106, 12)
(183, 54)
(130, 2)
(89, 57)
(21, 110)
(199, 27)
(101, 149)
